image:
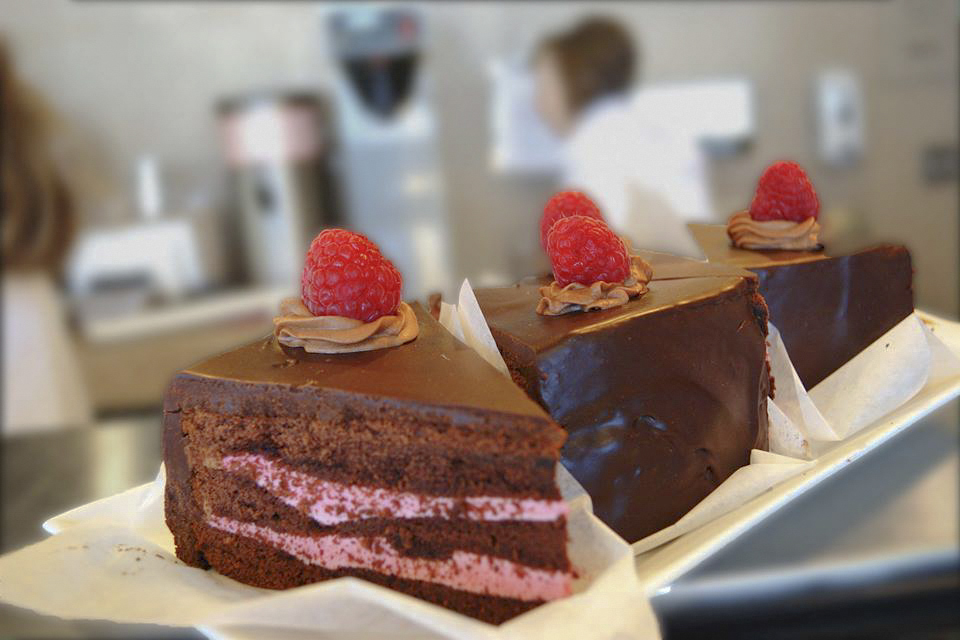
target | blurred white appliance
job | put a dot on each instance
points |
(159, 258)
(275, 147)
(718, 112)
(840, 118)
(386, 136)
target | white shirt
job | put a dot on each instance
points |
(648, 177)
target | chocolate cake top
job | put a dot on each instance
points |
(715, 243)
(435, 370)
(676, 282)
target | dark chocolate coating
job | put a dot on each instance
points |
(434, 370)
(827, 309)
(662, 398)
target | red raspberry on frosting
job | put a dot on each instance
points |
(564, 205)
(585, 250)
(784, 192)
(346, 275)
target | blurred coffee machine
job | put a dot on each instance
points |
(386, 137)
(277, 148)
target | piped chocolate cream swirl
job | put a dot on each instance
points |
(297, 327)
(557, 300)
(747, 233)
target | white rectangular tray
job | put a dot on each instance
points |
(661, 566)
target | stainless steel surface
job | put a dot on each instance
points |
(46, 474)
(882, 531)
(873, 548)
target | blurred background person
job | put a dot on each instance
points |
(648, 176)
(42, 383)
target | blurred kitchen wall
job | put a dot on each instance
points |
(141, 77)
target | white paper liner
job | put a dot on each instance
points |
(466, 322)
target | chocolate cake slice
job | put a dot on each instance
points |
(418, 467)
(828, 308)
(662, 398)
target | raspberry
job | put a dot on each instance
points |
(346, 275)
(564, 205)
(784, 192)
(585, 250)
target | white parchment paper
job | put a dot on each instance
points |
(465, 321)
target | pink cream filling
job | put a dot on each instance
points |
(463, 570)
(331, 503)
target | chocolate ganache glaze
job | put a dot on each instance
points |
(262, 378)
(662, 398)
(828, 305)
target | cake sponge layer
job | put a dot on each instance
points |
(359, 455)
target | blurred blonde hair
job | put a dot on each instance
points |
(36, 210)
